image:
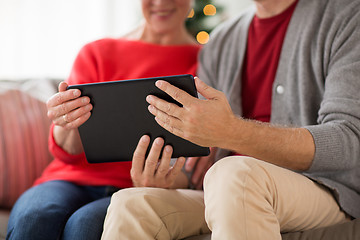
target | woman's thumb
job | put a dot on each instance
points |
(62, 86)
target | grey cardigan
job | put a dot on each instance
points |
(319, 79)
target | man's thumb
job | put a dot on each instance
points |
(205, 90)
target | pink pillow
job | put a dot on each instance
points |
(24, 129)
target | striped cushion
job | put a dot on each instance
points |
(24, 153)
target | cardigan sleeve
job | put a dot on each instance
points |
(337, 135)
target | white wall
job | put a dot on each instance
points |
(40, 38)
(234, 7)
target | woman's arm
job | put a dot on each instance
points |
(68, 111)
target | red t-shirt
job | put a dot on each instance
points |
(115, 59)
(265, 40)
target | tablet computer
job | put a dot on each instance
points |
(120, 117)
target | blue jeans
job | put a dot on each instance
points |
(60, 210)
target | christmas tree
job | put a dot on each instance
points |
(202, 19)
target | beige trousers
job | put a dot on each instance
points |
(155, 213)
(245, 199)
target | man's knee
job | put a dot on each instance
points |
(137, 200)
(231, 166)
(154, 206)
(128, 196)
(235, 173)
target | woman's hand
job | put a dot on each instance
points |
(153, 171)
(67, 109)
(198, 166)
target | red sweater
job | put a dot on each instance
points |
(106, 60)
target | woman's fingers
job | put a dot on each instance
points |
(69, 106)
(63, 96)
(175, 170)
(163, 168)
(151, 170)
(62, 86)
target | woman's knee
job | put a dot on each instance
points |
(27, 215)
(87, 222)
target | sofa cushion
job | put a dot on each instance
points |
(344, 231)
(24, 128)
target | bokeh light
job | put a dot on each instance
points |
(202, 37)
(191, 13)
(209, 10)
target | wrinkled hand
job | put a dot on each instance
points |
(153, 171)
(204, 122)
(199, 166)
(67, 109)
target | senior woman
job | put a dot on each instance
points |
(70, 199)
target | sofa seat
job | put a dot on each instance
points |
(345, 231)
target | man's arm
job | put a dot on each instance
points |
(212, 123)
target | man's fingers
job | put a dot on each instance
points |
(164, 106)
(177, 94)
(170, 128)
(205, 90)
(164, 117)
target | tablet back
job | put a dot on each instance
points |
(120, 117)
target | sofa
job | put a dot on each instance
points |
(24, 129)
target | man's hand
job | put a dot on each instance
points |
(153, 171)
(204, 122)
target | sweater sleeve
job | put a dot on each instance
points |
(337, 135)
(84, 70)
(60, 153)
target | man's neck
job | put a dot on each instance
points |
(270, 8)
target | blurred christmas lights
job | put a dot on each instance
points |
(196, 24)
(202, 37)
(209, 10)
(191, 13)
